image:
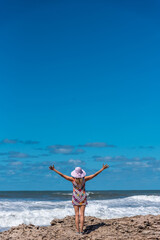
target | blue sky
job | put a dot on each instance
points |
(80, 86)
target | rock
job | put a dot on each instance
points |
(141, 227)
(134, 228)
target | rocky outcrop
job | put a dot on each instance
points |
(129, 228)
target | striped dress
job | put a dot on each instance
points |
(79, 196)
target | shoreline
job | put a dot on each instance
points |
(133, 228)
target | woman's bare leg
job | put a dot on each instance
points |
(82, 209)
(76, 208)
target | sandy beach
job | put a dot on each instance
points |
(132, 228)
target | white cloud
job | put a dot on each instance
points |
(49, 175)
(142, 164)
(97, 144)
(75, 161)
(13, 154)
(10, 172)
(16, 163)
(64, 149)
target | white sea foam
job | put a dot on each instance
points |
(15, 212)
(70, 194)
(41, 213)
(89, 193)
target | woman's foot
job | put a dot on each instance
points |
(82, 232)
(77, 233)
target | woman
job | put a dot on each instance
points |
(79, 197)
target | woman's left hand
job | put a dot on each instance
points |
(105, 166)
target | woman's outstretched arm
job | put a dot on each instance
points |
(94, 175)
(61, 174)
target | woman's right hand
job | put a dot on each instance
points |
(51, 167)
(105, 166)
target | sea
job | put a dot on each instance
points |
(41, 207)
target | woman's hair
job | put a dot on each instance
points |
(79, 180)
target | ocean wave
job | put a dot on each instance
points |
(15, 212)
(151, 198)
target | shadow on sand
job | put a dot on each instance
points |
(93, 227)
